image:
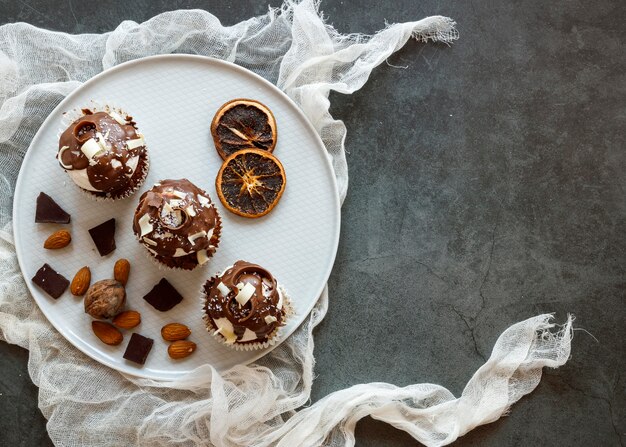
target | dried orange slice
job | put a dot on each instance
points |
(250, 182)
(243, 124)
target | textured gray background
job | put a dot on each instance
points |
(487, 186)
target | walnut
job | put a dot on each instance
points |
(105, 298)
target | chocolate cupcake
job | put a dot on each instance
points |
(104, 154)
(244, 307)
(178, 224)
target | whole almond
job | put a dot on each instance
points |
(107, 333)
(175, 331)
(58, 239)
(181, 349)
(127, 319)
(121, 270)
(81, 281)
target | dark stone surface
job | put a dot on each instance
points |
(487, 186)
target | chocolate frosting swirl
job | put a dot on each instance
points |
(112, 168)
(175, 220)
(266, 301)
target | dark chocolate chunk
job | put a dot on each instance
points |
(138, 348)
(48, 211)
(104, 237)
(51, 282)
(163, 296)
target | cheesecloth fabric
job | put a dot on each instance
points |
(87, 404)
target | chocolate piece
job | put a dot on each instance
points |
(163, 296)
(51, 282)
(138, 348)
(103, 236)
(48, 211)
(244, 303)
(178, 224)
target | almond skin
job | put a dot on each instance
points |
(181, 349)
(81, 282)
(121, 270)
(127, 319)
(107, 333)
(58, 239)
(175, 331)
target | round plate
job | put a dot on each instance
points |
(173, 99)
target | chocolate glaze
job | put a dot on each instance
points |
(264, 302)
(169, 237)
(103, 175)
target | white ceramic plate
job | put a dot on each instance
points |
(173, 99)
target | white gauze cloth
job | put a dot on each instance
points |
(88, 404)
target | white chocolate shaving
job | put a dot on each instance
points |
(179, 194)
(279, 305)
(90, 148)
(190, 211)
(63, 149)
(204, 201)
(202, 256)
(144, 225)
(116, 116)
(248, 335)
(266, 289)
(225, 329)
(134, 144)
(102, 141)
(269, 319)
(149, 241)
(180, 252)
(116, 164)
(245, 294)
(223, 288)
(198, 235)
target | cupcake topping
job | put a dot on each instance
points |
(176, 219)
(244, 303)
(100, 151)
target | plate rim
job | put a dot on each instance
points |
(190, 57)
